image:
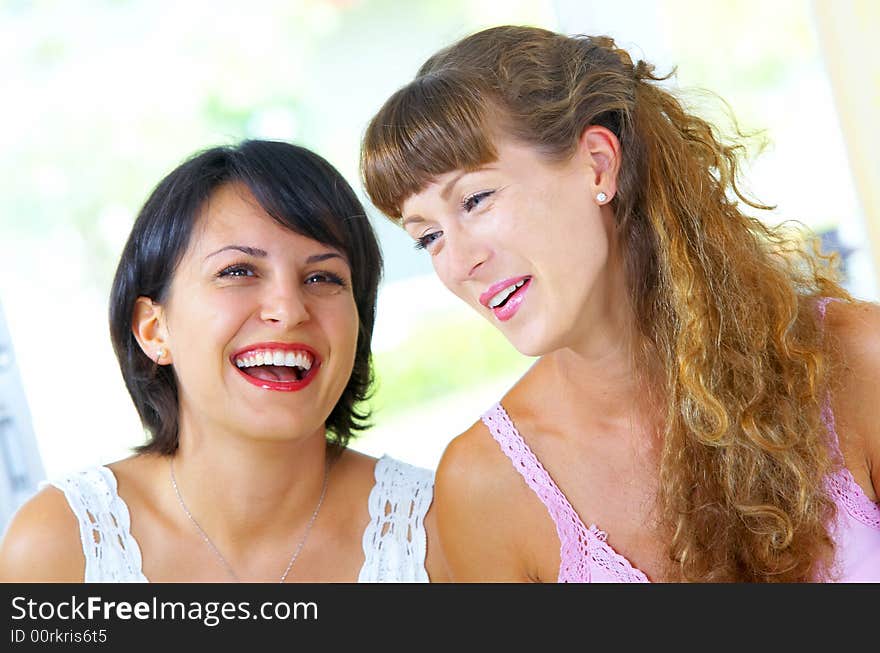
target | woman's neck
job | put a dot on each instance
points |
(240, 489)
(607, 369)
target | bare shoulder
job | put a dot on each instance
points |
(476, 494)
(42, 542)
(355, 465)
(353, 474)
(854, 330)
(854, 339)
(472, 467)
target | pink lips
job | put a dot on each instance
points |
(511, 306)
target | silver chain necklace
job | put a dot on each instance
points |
(216, 551)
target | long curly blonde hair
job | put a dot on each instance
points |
(724, 303)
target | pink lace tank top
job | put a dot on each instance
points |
(585, 555)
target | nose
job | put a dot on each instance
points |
(284, 304)
(464, 253)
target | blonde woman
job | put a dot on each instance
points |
(705, 404)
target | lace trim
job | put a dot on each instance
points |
(845, 491)
(111, 553)
(822, 306)
(581, 549)
(395, 542)
(841, 484)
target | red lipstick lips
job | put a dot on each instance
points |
(290, 356)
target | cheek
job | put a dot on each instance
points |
(208, 324)
(449, 280)
(441, 269)
(343, 324)
(575, 237)
(343, 332)
(199, 338)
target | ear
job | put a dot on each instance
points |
(601, 149)
(149, 329)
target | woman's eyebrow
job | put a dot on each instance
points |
(261, 253)
(317, 258)
(411, 220)
(251, 251)
(449, 186)
(447, 189)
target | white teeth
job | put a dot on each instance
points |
(276, 357)
(504, 294)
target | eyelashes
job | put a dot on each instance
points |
(425, 241)
(468, 204)
(471, 202)
(326, 277)
(321, 278)
(237, 270)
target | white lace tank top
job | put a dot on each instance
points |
(394, 541)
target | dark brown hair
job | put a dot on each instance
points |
(303, 193)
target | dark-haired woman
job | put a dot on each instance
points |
(705, 405)
(241, 314)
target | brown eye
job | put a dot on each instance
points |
(237, 270)
(325, 283)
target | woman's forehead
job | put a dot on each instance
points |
(232, 216)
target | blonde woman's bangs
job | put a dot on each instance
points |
(434, 125)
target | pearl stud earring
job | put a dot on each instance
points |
(601, 197)
(160, 354)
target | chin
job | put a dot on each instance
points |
(530, 345)
(538, 341)
(533, 352)
(287, 431)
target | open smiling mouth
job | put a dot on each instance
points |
(504, 296)
(277, 368)
(506, 302)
